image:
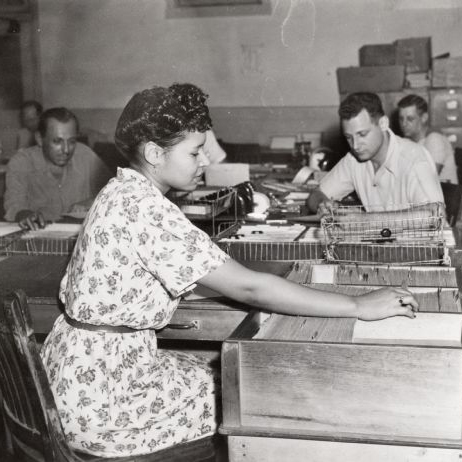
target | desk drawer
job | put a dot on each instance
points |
(206, 324)
(211, 324)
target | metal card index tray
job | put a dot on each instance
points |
(397, 235)
(55, 239)
(205, 205)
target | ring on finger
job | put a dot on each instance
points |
(401, 301)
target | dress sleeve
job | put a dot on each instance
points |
(176, 252)
(338, 183)
(16, 186)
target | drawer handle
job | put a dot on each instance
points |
(183, 326)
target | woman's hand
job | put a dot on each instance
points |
(386, 302)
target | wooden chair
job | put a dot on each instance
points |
(452, 201)
(31, 416)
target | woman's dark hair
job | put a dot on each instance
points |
(162, 115)
(354, 103)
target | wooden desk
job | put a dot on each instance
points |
(204, 319)
(302, 390)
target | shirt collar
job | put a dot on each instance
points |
(391, 160)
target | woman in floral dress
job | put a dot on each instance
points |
(137, 254)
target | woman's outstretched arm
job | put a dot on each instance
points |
(276, 294)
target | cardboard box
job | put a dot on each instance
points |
(370, 78)
(415, 54)
(377, 55)
(447, 72)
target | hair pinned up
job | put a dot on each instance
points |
(162, 115)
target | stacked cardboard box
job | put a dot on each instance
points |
(405, 66)
(389, 67)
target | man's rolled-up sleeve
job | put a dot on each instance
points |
(338, 183)
(424, 184)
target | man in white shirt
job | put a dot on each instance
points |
(413, 121)
(385, 170)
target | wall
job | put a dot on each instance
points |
(266, 75)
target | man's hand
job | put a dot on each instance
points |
(27, 219)
(327, 207)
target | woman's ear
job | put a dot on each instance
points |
(384, 123)
(152, 153)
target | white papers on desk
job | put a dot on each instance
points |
(8, 228)
(302, 175)
(267, 233)
(282, 142)
(55, 230)
(226, 174)
(444, 329)
(297, 196)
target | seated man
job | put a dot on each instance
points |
(385, 170)
(57, 176)
(413, 120)
(30, 112)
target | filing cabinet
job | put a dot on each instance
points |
(446, 107)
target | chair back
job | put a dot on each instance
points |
(30, 412)
(452, 200)
(29, 409)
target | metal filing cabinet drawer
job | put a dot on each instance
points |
(446, 108)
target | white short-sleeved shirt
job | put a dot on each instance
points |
(442, 153)
(408, 175)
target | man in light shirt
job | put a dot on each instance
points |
(385, 170)
(413, 121)
(58, 176)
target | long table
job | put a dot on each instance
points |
(211, 319)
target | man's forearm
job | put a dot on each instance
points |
(314, 199)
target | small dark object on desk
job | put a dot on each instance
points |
(386, 232)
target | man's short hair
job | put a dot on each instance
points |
(354, 103)
(32, 103)
(414, 100)
(61, 114)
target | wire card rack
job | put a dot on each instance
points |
(398, 234)
(207, 205)
(55, 239)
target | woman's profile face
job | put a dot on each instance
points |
(183, 164)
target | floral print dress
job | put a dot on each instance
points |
(117, 394)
